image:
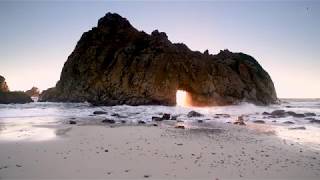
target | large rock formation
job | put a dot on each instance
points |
(7, 97)
(114, 63)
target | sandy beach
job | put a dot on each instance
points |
(211, 151)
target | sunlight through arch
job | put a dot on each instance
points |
(182, 98)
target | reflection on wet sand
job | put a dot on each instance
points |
(311, 138)
(28, 129)
(26, 132)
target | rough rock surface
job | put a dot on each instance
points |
(114, 63)
(7, 97)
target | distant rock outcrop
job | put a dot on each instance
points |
(114, 63)
(33, 92)
(7, 97)
(3, 85)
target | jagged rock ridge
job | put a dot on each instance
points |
(114, 63)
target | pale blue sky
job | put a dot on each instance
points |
(37, 37)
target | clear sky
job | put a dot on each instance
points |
(37, 37)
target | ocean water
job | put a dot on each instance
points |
(35, 121)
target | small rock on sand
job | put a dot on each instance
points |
(72, 122)
(141, 122)
(259, 121)
(179, 127)
(3, 167)
(298, 128)
(174, 117)
(118, 115)
(310, 114)
(278, 112)
(166, 116)
(110, 121)
(99, 112)
(314, 121)
(265, 113)
(288, 122)
(291, 113)
(299, 115)
(223, 115)
(194, 114)
(155, 118)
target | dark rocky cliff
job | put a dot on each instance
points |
(114, 63)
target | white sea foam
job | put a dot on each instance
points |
(134, 113)
(40, 113)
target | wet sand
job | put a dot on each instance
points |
(218, 151)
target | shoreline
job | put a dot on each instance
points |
(215, 151)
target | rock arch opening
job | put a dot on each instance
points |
(183, 98)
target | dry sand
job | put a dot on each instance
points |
(218, 151)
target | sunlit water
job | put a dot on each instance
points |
(38, 121)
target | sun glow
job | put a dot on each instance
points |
(182, 98)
